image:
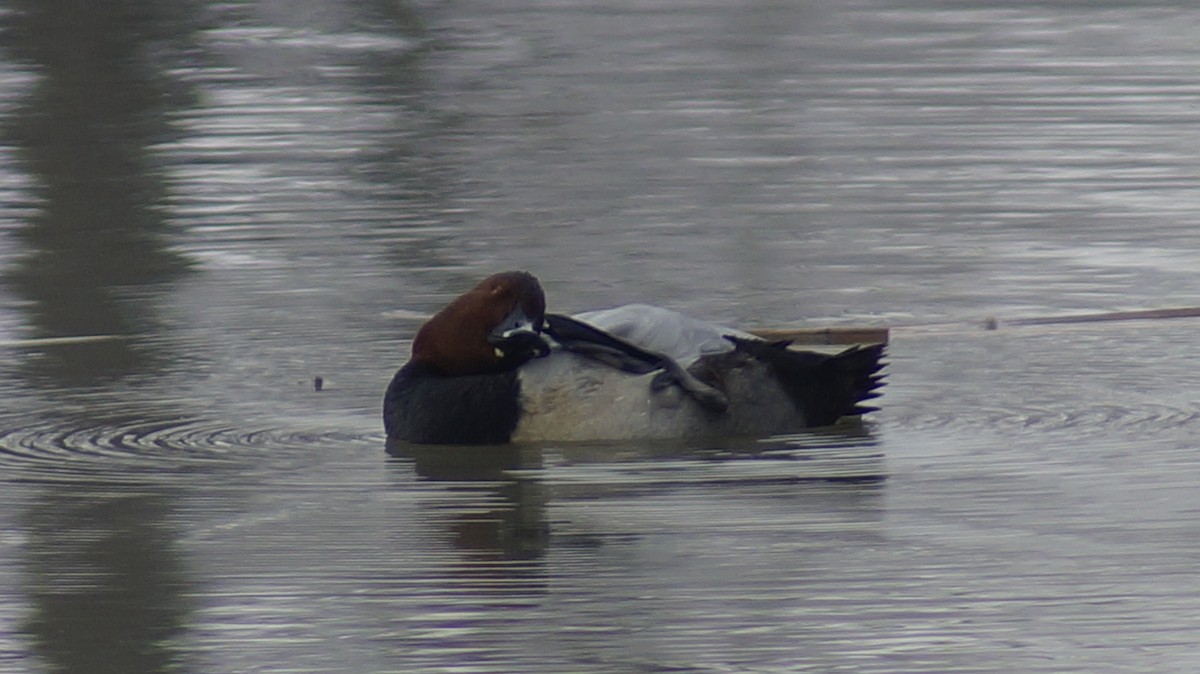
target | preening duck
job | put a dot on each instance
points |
(493, 367)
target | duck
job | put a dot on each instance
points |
(493, 367)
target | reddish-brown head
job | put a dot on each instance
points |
(459, 339)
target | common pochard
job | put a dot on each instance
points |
(493, 367)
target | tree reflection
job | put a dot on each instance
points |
(85, 134)
(106, 583)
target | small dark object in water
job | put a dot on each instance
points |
(990, 323)
(318, 383)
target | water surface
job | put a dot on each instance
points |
(234, 198)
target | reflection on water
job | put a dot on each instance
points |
(83, 132)
(517, 527)
(250, 194)
(105, 581)
(522, 479)
(613, 546)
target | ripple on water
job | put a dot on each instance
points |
(1088, 382)
(78, 450)
(1094, 420)
(88, 450)
(837, 454)
(849, 453)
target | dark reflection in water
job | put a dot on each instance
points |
(103, 575)
(517, 527)
(84, 134)
(623, 558)
(525, 480)
(105, 588)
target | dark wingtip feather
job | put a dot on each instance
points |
(826, 387)
(863, 366)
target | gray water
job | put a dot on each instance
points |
(237, 197)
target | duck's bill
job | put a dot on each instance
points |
(519, 344)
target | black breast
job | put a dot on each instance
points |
(423, 407)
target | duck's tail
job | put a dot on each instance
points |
(827, 387)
